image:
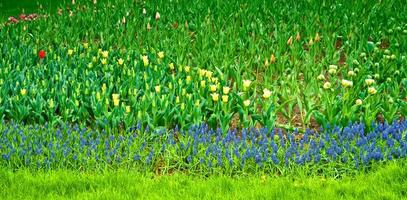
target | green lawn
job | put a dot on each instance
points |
(14, 8)
(387, 182)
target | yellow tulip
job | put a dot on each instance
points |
(145, 61)
(51, 103)
(189, 79)
(369, 81)
(160, 55)
(202, 72)
(327, 85)
(23, 92)
(70, 52)
(215, 97)
(246, 84)
(225, 98)
(187, 68)
(372, 90)
(157, 89)
(321, 77)
(226, 90)
(266, 93)
(116, 102)
(332, 71)
(213, 88)
(208, 74)
(333, 67)
(115, 96)
(203, 83)
(128, 109)
(104, 61)
(197, 103)
(120, 61)
(104, 87)
(246, 103)
(171, 65)
(358, 102)
(346, 83)
(105, 54)
(351, 73)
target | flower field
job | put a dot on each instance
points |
(205, 88)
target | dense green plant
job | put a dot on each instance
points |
(162, 62)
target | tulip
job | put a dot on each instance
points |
(160, 55)
(372, 90)
(246, 103)
(104, 61)
(215, 97)
(41, 54)
(120, 61)
(369, 81)
(298, 37)
(321, 77)
(105, 54)
(246, 84)
(266, 93)
(226, 90)
(358, 102)
(346, 83)
(171, 66)
(317, 37)
(225, 98)
(157, 89)
(327, 85)
(145, 61)
(290, 41)
(23, 92)
(157, 16)
(272, 58)
(203, 83)
(213, 88)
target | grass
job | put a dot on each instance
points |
(14, 8)
(386, 182)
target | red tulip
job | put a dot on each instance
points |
(13, 20)
(23, 17)
(41, 54)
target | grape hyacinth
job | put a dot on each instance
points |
(199, 148)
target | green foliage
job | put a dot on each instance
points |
(293, 56)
